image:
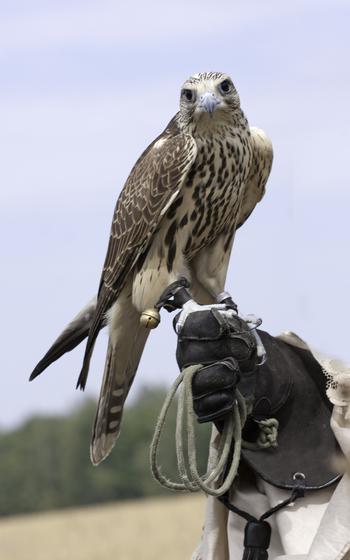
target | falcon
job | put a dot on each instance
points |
(176, 217)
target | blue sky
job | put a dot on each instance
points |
(85, 86)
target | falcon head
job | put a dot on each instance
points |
(208, 94)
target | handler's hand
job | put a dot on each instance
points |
(213, 390)
(225, 345)
(211, 335)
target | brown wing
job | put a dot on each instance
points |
(73, 334)
(152, 185)
(259, 172)
(154, 181)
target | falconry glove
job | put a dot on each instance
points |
(213, 389)
(224, 344)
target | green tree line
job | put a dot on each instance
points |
(45, 464)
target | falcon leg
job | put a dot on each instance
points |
(210, 269)
(154, 277)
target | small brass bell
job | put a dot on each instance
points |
(150, 318)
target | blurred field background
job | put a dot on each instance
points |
(45, 466)
(150, 529)
(45, 462)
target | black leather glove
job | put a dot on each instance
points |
(227, 347)
(210, 336)
(213, 389)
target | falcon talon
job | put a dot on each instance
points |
(174, 296)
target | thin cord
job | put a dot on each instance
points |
(187, 465)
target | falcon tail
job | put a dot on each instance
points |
(104, 303)
(126, 343)
(72, 335)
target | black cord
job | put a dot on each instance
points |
(298, 492)
(247, 516)
(257, 533)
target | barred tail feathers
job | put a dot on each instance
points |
(126, 343)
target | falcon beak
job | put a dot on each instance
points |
(208, 102)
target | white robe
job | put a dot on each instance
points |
(316, 527)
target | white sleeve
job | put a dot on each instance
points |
(332, 540)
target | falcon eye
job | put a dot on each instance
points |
(225, 86)
(188, 94)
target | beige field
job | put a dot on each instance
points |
(152, 529)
